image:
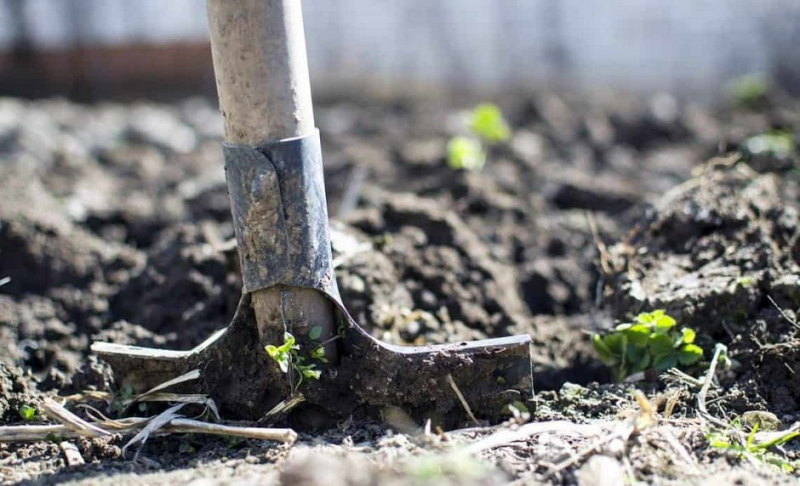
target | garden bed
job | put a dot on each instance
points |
(115, 226)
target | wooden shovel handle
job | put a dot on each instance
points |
(259, 53)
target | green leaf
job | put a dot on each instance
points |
(665, 362)
(615, 342)
(751, 437)
(465, 153)
(660, 344)
(687, 335)
(272, 351)
(638, 358)
(664, 322)
(311, 374)
(487, 122)
(658, 319)
(719, 441)
(648, 317)
(27, 413)
(605, 354)
(318, 354)
(288, 343)
(689, 354)
(279, 356)
(638, 335)
(315, 333)
(623, 327)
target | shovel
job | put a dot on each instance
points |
(291, 339)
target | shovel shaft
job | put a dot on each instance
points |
(259, 53)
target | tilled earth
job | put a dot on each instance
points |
(115, 226)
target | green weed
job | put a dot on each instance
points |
(486, 127)
(748, 90)
(750, 448)
(288, 356)
(652, 341)
(27, 413)
(775, 143)
(465, 153)
(487, 123)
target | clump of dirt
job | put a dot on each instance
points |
(719, 253)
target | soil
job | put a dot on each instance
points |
(115, 226)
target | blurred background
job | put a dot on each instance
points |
(90, 49)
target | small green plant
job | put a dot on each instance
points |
(487, 127)
(732, 442)
(27, 413)
(487, 122)
(288, 357)
(775, 143)
(283, 354)
(652, 341)
(465, 153)
(748, 90)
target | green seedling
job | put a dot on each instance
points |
(288, 356)
(652, 341)
(748, 90)
(283, 354)
(487, 123)
(27, 413)
(465, 153)
(776, 143)
(487, 127)
(752, 449)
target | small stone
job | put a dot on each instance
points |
(766, 421)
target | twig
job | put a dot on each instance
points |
(283, 406)
(681, 377)
(197, 398)
(153, 425)
(37, 433)
(602, 249)
(783, 313)
(461, 398)
(98, 416)
(69, 419)
(703, 394)
(189, 376)
(187, 426)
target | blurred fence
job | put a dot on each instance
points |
(686, 47)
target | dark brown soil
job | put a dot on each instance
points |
(115, 226)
